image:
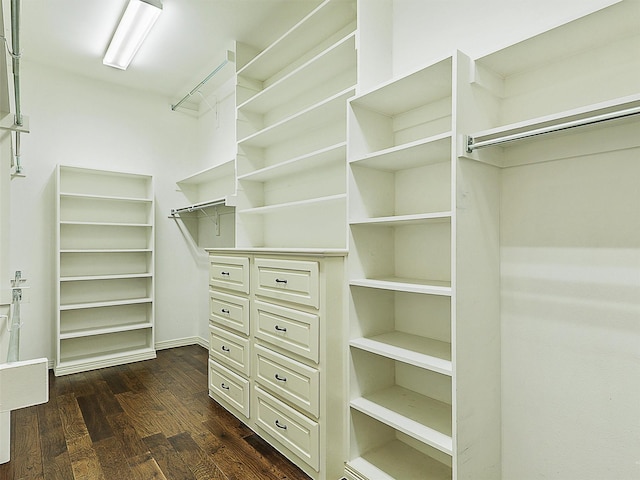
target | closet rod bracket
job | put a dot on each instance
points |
(8, 123)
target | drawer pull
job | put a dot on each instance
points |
(226, 274)
(280, 329)
(279, 378)
(225, 311)
(224, 386)
(225, 349)
(281, 281)
(279, 425)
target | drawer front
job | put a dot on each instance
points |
(229, 272)
(292, 381)
(229, 349)
(232, 388)
(295, 431)
(293, 330)
(289, 280)
(229, 311)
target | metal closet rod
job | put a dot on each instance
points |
(473, 145)
(197, 87)
(197, 206)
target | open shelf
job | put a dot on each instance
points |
(310, 118)
(294, 205)
(318, 73)
(303, 163)
(423, 151)
(111, 303)
(437, 217)
(419, 351)
(304, 37)
(397, 460)
(87, 332)
(423, 418)
(88, 278)
(410, 285)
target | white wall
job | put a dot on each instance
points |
(77, 121)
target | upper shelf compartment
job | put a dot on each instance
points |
(212, 185)
(307, 38)
(570, 74)
(401, 113)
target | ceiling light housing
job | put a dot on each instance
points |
(136, 23)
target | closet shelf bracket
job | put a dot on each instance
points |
(8, 123)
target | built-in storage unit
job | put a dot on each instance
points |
(277, 350)
(105, 265)
(455, 220)
(291, 100)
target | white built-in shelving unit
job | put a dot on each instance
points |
(427, 226)
(105, 265)
(291, 126)
(400, 152)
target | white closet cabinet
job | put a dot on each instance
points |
(424, 318)
(105, 265)
(291, 128)
(277, 350)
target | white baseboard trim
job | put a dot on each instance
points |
(182, 342)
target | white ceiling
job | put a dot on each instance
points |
(188, 41)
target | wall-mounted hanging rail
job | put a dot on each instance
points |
(196, 206)
(230, 57)
(474, 142)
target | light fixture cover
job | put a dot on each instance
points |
(137, 21)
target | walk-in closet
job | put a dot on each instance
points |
(320, 239)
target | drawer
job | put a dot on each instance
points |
(228, 386)
(229, 311)
(229, 272)
(292, 429)
(229, 349)
(292, 381)
(292, 330)
(289, 280)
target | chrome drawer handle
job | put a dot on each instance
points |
(226, 387)
(225, 311)
(225, 273)
(279, 425)
(281, 281)
(280, 329)
(279, 378)
(225, 349)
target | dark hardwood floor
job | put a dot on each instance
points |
(146, 420)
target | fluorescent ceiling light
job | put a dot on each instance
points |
(134, 27)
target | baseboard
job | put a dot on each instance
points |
(179, 342)
(182, 342)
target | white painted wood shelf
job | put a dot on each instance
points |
(105, 240)
(291, 132)
(415, 350)
(418, 416)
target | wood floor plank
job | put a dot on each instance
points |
(26, 444)
(127, 435)
(145, 467)
(84, 459)
(113, 461)
(56, 464)
(94, 418)
(168, 459)
(199, 463)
